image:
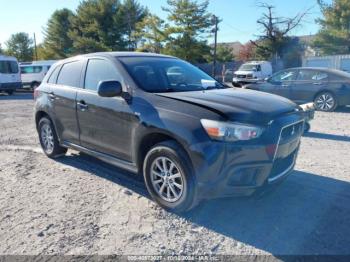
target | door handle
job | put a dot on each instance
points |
(52, 96)
(285, 85)
(82, 105)
(317, 83)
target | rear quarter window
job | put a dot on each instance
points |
(53, 77)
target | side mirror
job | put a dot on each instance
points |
(109, 88)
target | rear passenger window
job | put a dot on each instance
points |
(99, 70)
(70, 74)
(53, 76)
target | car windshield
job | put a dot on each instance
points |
(159, 75)
(248, 67)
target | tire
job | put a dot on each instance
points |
(10, 92)
(34, 85)
(325, 102)
(49, 140)
(169, 177)
(307, 128)
(236, 84)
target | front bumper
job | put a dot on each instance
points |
(245, 168)
(245, 80)
(10, 86)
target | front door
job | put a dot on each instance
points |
(105, 123)
(281, 83)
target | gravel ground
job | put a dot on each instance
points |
(78, 205)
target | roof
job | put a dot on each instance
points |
(126, 54)
(8, 57)
(115, 54)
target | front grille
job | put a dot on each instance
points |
(241, 76)
(291, 132)
(282, 164)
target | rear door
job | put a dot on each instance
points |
(308, 83)
(281, 83)
(63, 97)
(105, 123)
(9, 71)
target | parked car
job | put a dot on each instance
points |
(327, 88)
(10, 78)
(34, 72)
(191, 140)
(252, 72)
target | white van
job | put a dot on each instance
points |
(10, 77)
(34, 72)
(252, 72)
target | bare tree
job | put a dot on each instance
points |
(275, 30)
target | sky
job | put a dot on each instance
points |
(238, 16)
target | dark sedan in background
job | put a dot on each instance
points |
(327, 88)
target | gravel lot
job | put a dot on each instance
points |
(79, 205)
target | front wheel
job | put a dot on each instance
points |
(169, 178)
(326, 102)
(48, 139)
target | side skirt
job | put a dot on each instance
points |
(103, 157)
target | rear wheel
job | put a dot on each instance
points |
(168, 177)
(34, 85)
(48, 139)
(326, 102)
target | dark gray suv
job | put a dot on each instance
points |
(191, 137)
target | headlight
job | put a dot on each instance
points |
(231, 132)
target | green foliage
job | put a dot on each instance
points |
(20, 46)
(132, 13)
(224, 54)
(190, 22)
(151, 33)
(97, 27)
(57, 44)
(334, 35)
(1, 51)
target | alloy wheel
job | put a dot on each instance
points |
(167, 179)
(325, 102)
(47, 138)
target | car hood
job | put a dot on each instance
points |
(238, 104)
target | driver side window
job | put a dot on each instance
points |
(288, 75)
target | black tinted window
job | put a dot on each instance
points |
(99, 70)
(70, 74)
(288, 75)
(8, 67)
(53, 76)
(154, 74)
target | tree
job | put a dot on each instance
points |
(275, 31)
(247, 52)
(334, 35)
(20, 46)
(190, 22)
(1, 51)
(57, 44)
(151, 33)
(224, 54)
(133, 13)
(98, 26)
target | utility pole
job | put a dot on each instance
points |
(215, 21)
(35, 49)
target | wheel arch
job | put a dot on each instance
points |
(325, 91)
(151, 139)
